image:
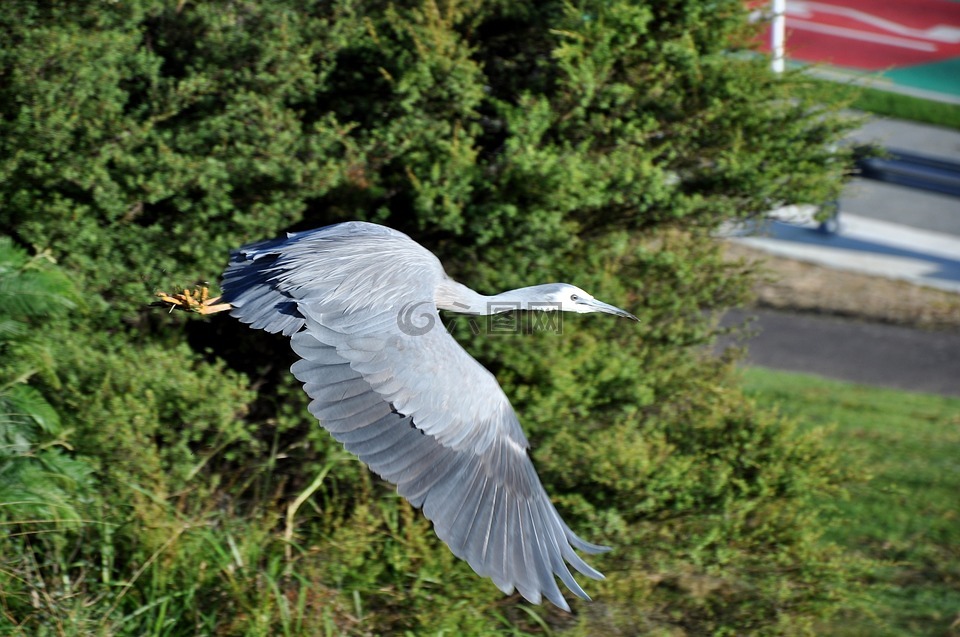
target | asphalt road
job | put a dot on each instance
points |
(867, 353)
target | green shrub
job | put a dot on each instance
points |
(523, 142)
(43, 486)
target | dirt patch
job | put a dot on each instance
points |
(794, 285)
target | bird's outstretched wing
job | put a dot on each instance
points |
(409, 401)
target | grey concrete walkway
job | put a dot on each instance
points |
(920, 138)
(885, 230)
(868, 246)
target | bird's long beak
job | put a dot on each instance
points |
(600, 306)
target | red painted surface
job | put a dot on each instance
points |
(872, 35)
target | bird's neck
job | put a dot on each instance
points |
(456, 297)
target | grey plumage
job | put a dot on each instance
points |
(407, 399)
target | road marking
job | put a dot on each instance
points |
(938, 33)
(866, 36)
(869, 246)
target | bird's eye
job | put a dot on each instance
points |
(574, 298)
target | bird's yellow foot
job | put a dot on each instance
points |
(196, 300)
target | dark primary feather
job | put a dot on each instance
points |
(416, 408)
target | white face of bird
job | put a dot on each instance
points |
(572, 299)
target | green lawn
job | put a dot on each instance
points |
(905, 520)
(909, 108)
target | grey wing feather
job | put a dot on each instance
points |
(417, 409)
(489, 508)
(265, 280)
(246, 286)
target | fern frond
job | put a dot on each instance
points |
(29, 287)
(11, 329)
(22, 402)
(12, 256)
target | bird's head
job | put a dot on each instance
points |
(570, 298)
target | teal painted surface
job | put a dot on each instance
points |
(943, 77)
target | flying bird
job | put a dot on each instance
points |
(361, 304)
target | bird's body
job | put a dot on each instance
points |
(360, 302)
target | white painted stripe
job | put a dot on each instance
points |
(940, 32)
(900, 236)
(911, 254)
(866, 36)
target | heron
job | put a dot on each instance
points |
(397, 390)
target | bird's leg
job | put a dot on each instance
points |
(196, 300)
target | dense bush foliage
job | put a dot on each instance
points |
(599, 143)
(38, 481)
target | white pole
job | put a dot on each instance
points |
(778, 34)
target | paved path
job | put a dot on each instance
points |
(895, 204)
(885, 230)
(868, 353)
(868, 246)
(919, 138)
(919, 209)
